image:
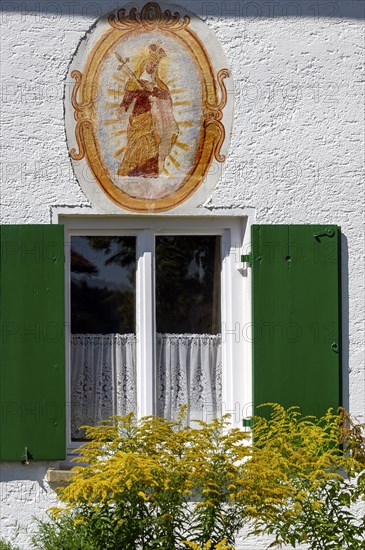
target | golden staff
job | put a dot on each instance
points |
(124, 67)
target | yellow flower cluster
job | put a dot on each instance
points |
(209, 545)
(209, 480)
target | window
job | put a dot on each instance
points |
(103, 329)
(152, 325)
(295, 331)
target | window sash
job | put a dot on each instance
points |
(235, 302)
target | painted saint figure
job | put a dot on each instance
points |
(152, 129)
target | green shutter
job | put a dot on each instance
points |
(32, 368)
(296, 316)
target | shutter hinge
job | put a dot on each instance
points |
(330, 232)
(247, 423)
(246, 259)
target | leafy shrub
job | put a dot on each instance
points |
(304, 477)
(7, 546)
(63, 534)
(156, 484)
(208, 546)
(151, 484)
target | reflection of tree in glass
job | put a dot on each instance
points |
(188, 284)
(101, 306)
(122, 249)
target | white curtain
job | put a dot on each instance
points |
(189, 371)
(103, 376)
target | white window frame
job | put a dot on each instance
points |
(235, 301)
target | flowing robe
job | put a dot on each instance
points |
(151, 133)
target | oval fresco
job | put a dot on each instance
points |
(147, 107)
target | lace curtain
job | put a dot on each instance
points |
(189, 370)
(103, 377)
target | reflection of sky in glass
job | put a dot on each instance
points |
(111, 275)
(181, 74)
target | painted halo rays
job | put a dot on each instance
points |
(148, 109)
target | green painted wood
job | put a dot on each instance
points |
(296, 316)
(32, 356)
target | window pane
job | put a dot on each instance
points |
(103, 347)
(188, 346)
(103, 285)
(188, 284)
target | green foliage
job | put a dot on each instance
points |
(63, 534)
(7, 546)
(304, 477)
(156, 484)
(151, 484)
(209, 545)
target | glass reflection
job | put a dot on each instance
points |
(103, 340)
(188, 284)
(103, 285)
(188, 319)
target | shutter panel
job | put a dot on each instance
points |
(32, 367)
(296, 316)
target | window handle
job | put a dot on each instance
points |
(246, 261)
(27, 456)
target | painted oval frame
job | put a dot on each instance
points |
(120, 27)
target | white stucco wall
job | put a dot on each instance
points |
(296, 154)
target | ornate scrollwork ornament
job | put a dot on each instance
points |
(151, 17)
(148, 105)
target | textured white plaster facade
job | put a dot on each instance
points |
(297, 151)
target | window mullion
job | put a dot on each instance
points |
(145, 324)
